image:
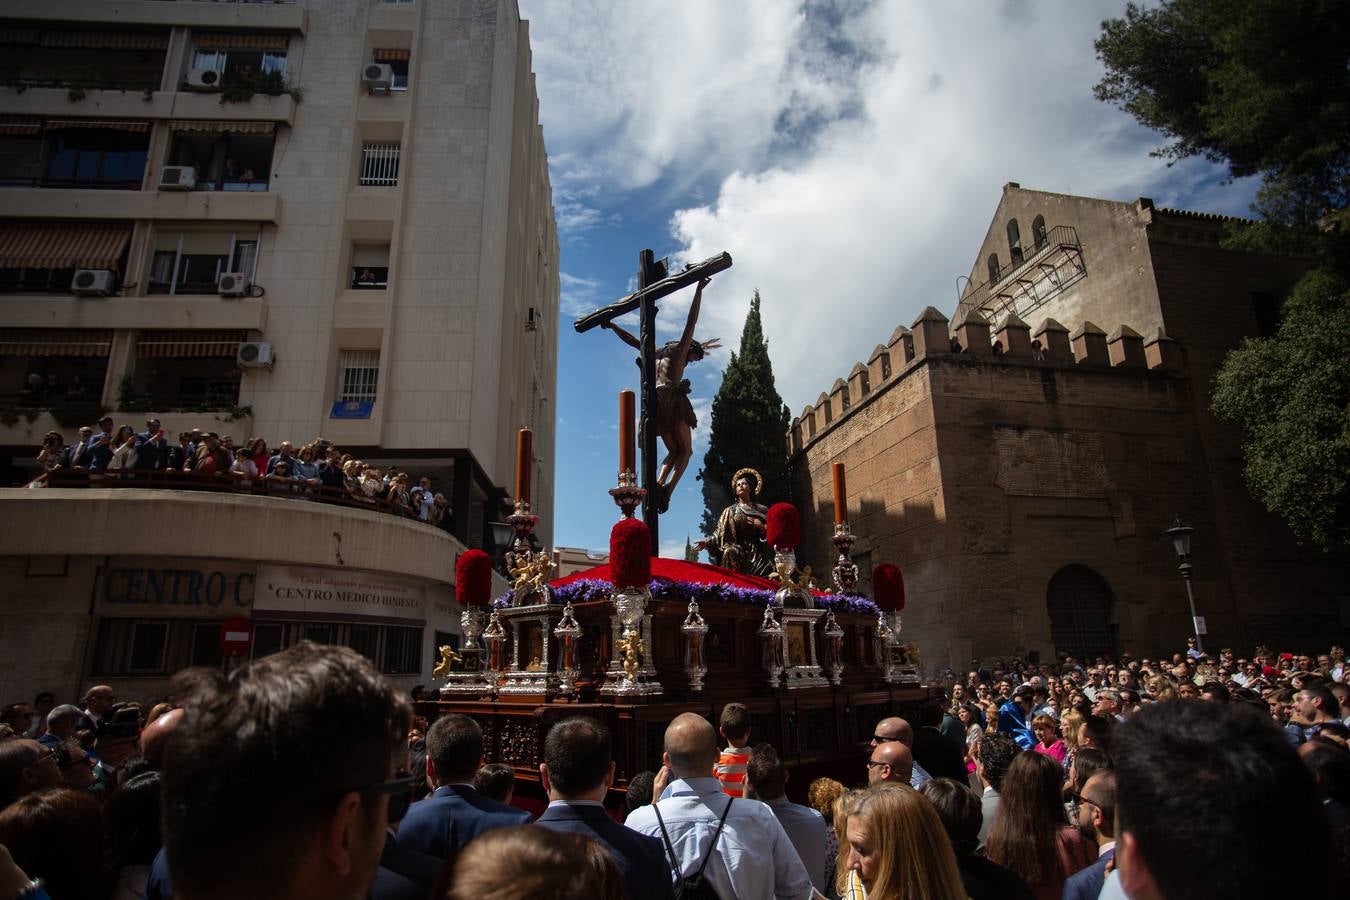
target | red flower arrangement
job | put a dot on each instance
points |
(783, 529)
(888, 587)
(473, 578)
(630, 554)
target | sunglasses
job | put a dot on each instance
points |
(881, 740)
(872, 763)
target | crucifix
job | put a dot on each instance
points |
(654, 282)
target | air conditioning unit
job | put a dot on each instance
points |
(203, 80)
(233, 284)
(94, 283)
(378, 77)
(531, 319)
(177, 178)
(254, 355)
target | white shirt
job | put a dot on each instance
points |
(918, 777)
(754, 858)
(805, 827)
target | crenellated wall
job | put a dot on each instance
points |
(989, 459)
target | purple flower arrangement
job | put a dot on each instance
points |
(683, 591)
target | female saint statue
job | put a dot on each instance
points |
(738, 542)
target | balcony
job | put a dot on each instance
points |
(1052, 267)
(278, 15)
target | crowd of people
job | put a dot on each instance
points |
(318, 469)
(306, 774)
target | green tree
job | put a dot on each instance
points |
(749, 426)
(1290, 393)
(1260, 85)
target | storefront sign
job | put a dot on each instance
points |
(152, 587)
(339, 591)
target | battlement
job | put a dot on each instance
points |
(1011, 341)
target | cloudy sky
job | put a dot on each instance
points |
(848, 154)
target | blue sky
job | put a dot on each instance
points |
(848, 154)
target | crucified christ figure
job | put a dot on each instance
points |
(675, 419)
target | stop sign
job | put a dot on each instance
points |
(236, 636)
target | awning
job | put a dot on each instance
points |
(54, 342)
(206, 126)
(20, 36)
(384, 56)
(20, 125)
(106, 40)
(239, 41)
(193, 344)
(137, 125)
(63, 245)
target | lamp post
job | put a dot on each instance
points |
(1181, 542)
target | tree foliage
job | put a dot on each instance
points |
(749, 426)
(1290, 394)
(1261, 85)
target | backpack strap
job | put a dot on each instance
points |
(716, 834)
(674, 860)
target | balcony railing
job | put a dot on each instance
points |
(97, 184)
(1051, 267)
(379, 165)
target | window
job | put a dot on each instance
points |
(241, 67)
(97, 157)
(379, 165)
(370, 267)
(268, 638)
(993, 268)
(224, 160)
(206, 644)
(1014, 243)
(365, 639)
(397, 61)
(1038, 232)
(358, 374)
(320, 632)
(402, 651)
(191, 262)
(36, 281)
(148, 640)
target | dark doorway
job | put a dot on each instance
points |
(1079, 602)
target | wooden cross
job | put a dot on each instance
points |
(653, 284)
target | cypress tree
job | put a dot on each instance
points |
(749, 426)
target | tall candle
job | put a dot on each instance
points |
(626, 431)
(524, 463)
(840, 495)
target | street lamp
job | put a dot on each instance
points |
(1181, 542)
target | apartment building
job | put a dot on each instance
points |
(281, 219)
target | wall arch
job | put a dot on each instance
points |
(1080, 604)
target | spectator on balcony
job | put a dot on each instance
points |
(105, 427)
(53, 452)
(257, 451)
(77, 449)
(180, 457)
(305, 467)
(99, 454)
(76, 389)
(422, 499)
(53, 387)
(440, 516)
(372, 483)
(206, 449)
(243, 468)
(331, 473)
(285, 453)
(123, 449)
(398, 492)
(152, 448)
(36, 389)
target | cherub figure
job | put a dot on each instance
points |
(632, 648)
(674, 416)
(448, 658)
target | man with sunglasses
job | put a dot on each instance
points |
(886, 735)
(280, 775)
(1096, 817)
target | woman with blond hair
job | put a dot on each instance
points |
(1160, 688)
(898, 847)
(1031, 834)
(822, 796)
(1069, 723)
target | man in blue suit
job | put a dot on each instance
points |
(1013, 715)
(577, 771)
(1097, 818)
(455, 813)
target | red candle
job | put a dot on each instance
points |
(840, 495)
(626, 431)
(524, 462)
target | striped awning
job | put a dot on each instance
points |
(207, 126)
(193, 344)
(19, 125)
(106, 40)
(62, 245)
(384, 56)
(20, 36)
(239, 41)
(139, 126)
(54, 342)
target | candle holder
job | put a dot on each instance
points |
(898, 660)
(795, 591)
(845, 571)
(567, 632)
(771, 633)
(627, 494)
(834, 635)
(469, 680)
(529, 570)
(494, 636)
(695, 629)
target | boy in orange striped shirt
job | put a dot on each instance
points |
(735, 729)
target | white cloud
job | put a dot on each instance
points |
(859, 148)
(578, 295)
